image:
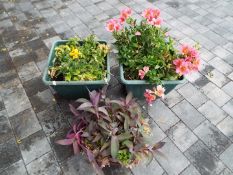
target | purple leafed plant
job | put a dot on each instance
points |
(110, 131)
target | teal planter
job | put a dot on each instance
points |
(138, 87)
(73, 89)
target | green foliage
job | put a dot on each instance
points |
(124, 156)
(152, 48)
(80, 60)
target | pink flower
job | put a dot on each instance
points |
(142, 73)
(152, 16)
(160, 91)
(149, 96)
(124, 15)
(178, 62)
(137, 33)
(155, 22)
(183, 69)
(113, 25)
(196, 64)
(185, 50)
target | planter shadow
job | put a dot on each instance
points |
(138, 87)
(73, 89)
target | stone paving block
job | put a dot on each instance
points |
(212, 112)
(226, 171)
(25, 123)
(77, 165)
(212, 137)
(191, 170)
(213, 36)
(34, 86)
(226, 127)
(42, 100)
(153, 169)
(41, 64)
(230, 76)
(181, 136)
(205, 42)
(6, 23)
(16, 101)
(62, 152)
(201, 82)
(34, 146)
(217, 78)
(17, 52)
(227, 157)
(9, 152)
(221, 65)
(5, 128)
(206, 55)
(172, 98)
(17, 168)
(203, 159)
(48, 42)
(82, 31)
(228, 88)
(196, 98)
(229, 46)
(23, 59)
(46, 164)
(117, 170)
(229, 59)
(48, 12)
(193, 77)
(52, 120)
(28, 71)
(216, 94)
(162, 115)
(188, 114)
(157, 134)
(173, 160)
(228, 107)
(61, 27)
(220, 52)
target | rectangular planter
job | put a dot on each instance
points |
(138, 87)
(73, 89)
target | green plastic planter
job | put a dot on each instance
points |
(138, 87)
(73, 89)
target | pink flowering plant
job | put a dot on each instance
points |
(147, 52)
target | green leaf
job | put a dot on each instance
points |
(124, 136)
(114, 146)
(68, 77)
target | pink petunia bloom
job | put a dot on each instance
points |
(185, 49)
(160, 91)
(113, 25)
(152, 16)
(143, 72)
(155, 22)
(146, 69)
(137, 33)
(125, 14)
(183, 69)
(178, 62)
(196, 64)
(149, 96)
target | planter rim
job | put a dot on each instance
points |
(54, 83)
(144, 82)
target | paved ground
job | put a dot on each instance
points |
(196, 119)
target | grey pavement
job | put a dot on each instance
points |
(195, 119)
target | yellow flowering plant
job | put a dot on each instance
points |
(80, 60)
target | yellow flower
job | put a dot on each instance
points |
(75, 53)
